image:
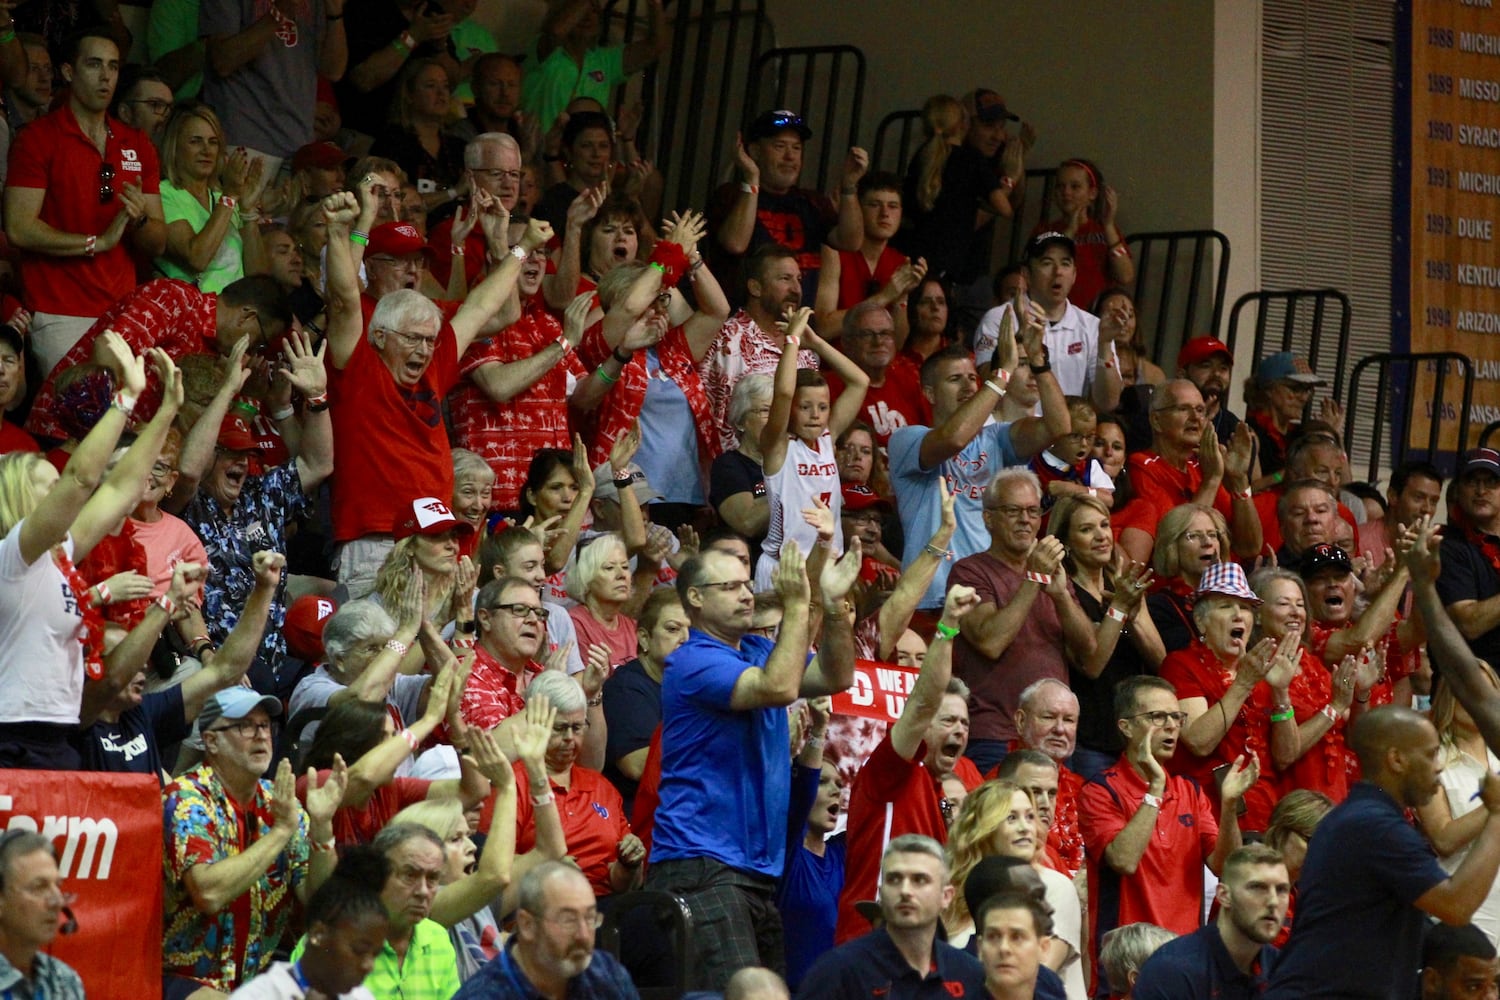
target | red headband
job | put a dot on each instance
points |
(1093, 177)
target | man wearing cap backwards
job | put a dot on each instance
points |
(387, 387)
(1187, 463)
(237, 510)
(1150, 834)
(1085, 365)
(1207, 362)
(1283, 383)
(179, 319)
(1470, 581)
(899, 789)
(1333, 631)
(903, 957)
(1232, 957)
(238, 847)
(766, 206)
(894, 398)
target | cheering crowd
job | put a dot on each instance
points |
(465, 540)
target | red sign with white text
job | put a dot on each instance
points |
(879, 691)
(106, 829)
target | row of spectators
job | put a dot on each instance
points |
(464, 541)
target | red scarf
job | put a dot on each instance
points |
(91, 629)
(1488, 545)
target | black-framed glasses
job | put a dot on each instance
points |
(1162, 718)
(106, 183)
(245, 728)
(521, 612)
(728, 586)
(158, 106)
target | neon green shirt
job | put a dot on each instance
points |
(547, 88)
(430, 971)
(228, 263)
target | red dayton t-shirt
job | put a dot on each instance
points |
(895, 404)
(54, 154)
(1158, 487)
(389, 438)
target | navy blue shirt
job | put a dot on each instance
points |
(632, 711)
(133, 744)
(1468, 576)
(808, 896)
(501, 978)
(1357, 932)
(1197, 966)
(870, 966)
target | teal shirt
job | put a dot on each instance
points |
(551, 83)
(430, 971)
(228, 263)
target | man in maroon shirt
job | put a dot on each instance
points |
(899, 789)
(895, 397)
(81, 195)
(1026, 617)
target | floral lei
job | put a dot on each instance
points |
(91, 629)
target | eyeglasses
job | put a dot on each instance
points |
(245, 728)
(416, 339)
(1182, 409)
(496, 173)
(161, 470)
(885, 334)
(400, 264)
(1162, 718)
(1014, 512)
(663, 302)
(157, 105)
(564, 728)
(728, 586)
(574, 922)
(521, 612)
(106, 183)
(1199, 537)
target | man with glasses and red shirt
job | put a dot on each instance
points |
(81, 196)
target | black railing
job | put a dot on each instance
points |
(1399, 381)
(1303, 330)
(1034, 205)
(812, 81)
(1488, 432)
(895, 156)
(1164, 262)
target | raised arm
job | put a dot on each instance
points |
(498, 286)
(849, 234)
(346, 320)
(572, 524)
(832, 670)
(492, 875)
(779, 682)
(736, 229)
(773, 435)
(895, 614)
(845, 409)
(378, 766)
(1030, 435)
(50, 522)
(131, 654)
(932, 680)
(1243, 773)
(227, 665)
(1124, 853)
(307, 374)
(197, 455)
(643, 52)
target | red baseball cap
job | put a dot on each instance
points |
(319, 154)
(396, 239)
(304, 626)
(235, 434)
(858, 496)
(1199, 349)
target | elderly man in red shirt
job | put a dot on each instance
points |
(81, 195)
(387, 386)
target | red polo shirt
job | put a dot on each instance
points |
(891, 797)
(53, 154)
(1167, 887)
(593, 821)
(1158, 487)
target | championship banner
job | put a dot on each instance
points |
(879, 691)
(106, 829)
(1445, 273)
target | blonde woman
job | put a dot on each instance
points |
(213, 233)
(427, 547)
(51, 636)
(997, 818)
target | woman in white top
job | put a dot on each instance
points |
(49, 635)
(346, 929)
(796, 445)
(1452, 820)
(997, 818)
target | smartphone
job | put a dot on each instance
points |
(1220, 773)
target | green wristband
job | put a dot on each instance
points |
(946, 632)
(1286, 716)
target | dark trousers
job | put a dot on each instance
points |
(735, 920)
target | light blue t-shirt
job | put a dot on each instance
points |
(669, 438)
(921, 505)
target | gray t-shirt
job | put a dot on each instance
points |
(268, 103)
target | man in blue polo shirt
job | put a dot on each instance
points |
(726, 768)
(902, 957)
(1371, 880)
(1231, 957)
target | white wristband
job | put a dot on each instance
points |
(1154, 801)
(1117, 615)
(998, 389)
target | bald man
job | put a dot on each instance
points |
(1371, 880)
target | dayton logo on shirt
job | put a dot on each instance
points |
(129, 160)
(601, 810)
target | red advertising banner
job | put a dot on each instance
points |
(107, 832)
(879, 691)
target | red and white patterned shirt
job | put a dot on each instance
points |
(741, 348)
(493, 693)
(165, 313)
(506, 435)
